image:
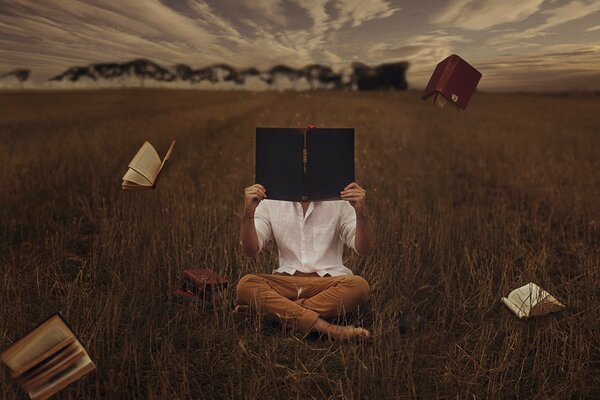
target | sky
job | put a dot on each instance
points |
(518, 45)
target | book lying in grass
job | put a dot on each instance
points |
(454, 80)
(201, 285)
(145, 168)
(531, 300)
(47, 358)
(304, 164)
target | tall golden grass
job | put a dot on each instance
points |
(467, 206)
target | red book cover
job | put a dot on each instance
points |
(455, 79)
(204, 277)
(198, 284)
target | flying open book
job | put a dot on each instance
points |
(145, 168)
(47, 358)
(531, 300)
(296, 164)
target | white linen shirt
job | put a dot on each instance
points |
(307, 243)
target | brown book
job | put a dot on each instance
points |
(297, 164)
(201, 284)
(47, 358)
(145, 168)
(454, 80)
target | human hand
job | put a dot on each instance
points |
(253, 196)
(356, 196)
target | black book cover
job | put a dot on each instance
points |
(296, 164)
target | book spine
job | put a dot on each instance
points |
(305, 162)
(441, 86)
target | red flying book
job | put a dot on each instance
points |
(453, 80)
(200, 284)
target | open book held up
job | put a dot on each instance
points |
(145, 168)
(531, 300)
(297, 164)
(47, 358)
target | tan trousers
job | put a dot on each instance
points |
(300, 299)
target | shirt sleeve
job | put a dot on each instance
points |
(262, 224)
(348, 225)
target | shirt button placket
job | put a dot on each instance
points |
(301, 216)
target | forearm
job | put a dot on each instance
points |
(248, 235)
(363, 240)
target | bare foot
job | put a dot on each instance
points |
(341, 332)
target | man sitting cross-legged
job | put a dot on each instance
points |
(311, 284)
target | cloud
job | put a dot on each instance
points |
(556, 16)
(271, 10)
(481, 14)
(557, 67)
(197, 32)
(53, 35)
(420, 49)
(357, 12)
(423, 52)
(569, 12)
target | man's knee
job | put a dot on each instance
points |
(357, 290)
(359, 287)
(246, 288)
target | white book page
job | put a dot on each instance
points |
(135, 177)
(37, 342)
(527, 296)
(146, 162)
(513, 307)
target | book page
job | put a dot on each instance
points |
(136, 178)
(548, 305)
(439, 100)
(527, 296)
(52, 366)
(51, 333)
(146, 162)
(524, 298)
(41, 359)
(80, 368)
(54, 373)
(513, 307)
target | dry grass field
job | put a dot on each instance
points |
(467, 206)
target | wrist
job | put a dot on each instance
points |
(361, 214)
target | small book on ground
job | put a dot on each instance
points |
(304, 164)
(47, 358)
(145, 168)
(531, 300)
(454, 80)
(201, 285)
